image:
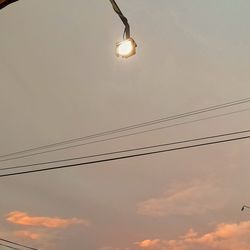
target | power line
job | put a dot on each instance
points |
(14, 248)
(123, 157)
(126, 151)
(121, 136)
(17, 244)
(139, 125)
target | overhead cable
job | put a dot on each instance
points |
(10, 247)
(123, 157)
(16, 155)
(17, 244)
(125, 151)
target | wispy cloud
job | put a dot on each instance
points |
(195, 198)
(112, 248)
(28, 235)
(225, 236)
(22, 218)
(148, 243)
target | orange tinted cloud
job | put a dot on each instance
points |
(147, 243)
(24, 219)
(28, 235)
(225, 236)
(113, 248)
(192, 199)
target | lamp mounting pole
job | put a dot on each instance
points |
(245, 207)
(4, 3)
(123, 18)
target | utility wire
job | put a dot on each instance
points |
(127, 135)
(17, 244)
(126, 151)
(123, 157)
(124, 129)
(14, 248)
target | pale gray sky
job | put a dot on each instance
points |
(60, 79)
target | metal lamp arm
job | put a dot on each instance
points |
(4, 3)
(123, 18)
(245, 207)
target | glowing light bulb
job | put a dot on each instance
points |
(126, 48)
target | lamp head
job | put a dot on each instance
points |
(126, 48)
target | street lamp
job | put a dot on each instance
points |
(127, 47)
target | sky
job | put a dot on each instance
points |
(60, 79)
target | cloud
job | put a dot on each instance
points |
(224, 237)
(28, 235)
(192, 199)
(21, 218)
(111, 248)
(148, 243)
(107, 248)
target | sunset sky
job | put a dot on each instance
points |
(60, 79)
